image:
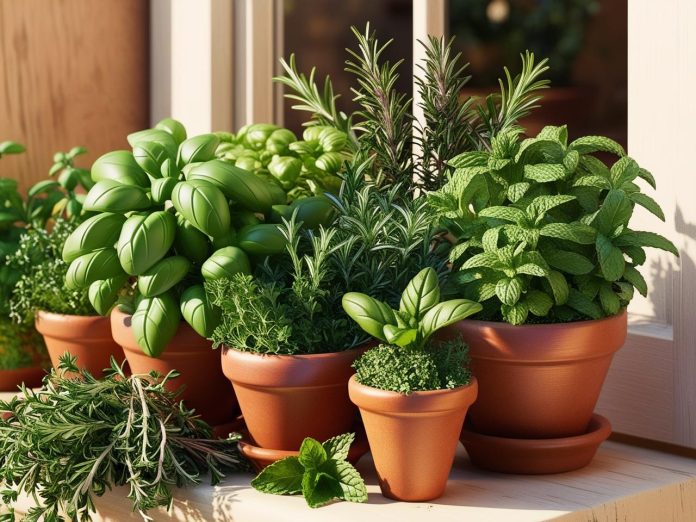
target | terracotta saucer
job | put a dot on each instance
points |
(221, 431)
(30, 376)
(262, 457)
(536, 456)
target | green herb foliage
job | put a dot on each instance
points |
(411, 361)
(76, 438)
(542, 227)
(292, 304)
(300, 168)
(41, 269)
(20, 345)
(392, 368)
(384, 127)
(283, 311)
(320, 473)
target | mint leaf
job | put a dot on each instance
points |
(611, 259)
(322, 489)
(312, 454)
(589, 144)
(283, 477)
(337, 447)
(351, 483)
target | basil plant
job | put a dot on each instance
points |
(300, 167)
(419, 316)
(163, 218)
(542, 229)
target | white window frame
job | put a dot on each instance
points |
(212, 64)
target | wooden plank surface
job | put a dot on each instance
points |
(72, 72)
(622, 483)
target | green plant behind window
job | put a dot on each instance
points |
(410, 361)
(542, 227)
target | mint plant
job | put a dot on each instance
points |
(320, 473)
(410, 361)
(542, 227)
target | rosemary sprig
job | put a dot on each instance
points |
(321, 105)
(385, 114)
(76, 438)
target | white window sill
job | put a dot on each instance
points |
(622, 483)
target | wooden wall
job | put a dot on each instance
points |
(72, 72)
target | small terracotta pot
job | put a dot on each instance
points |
(539, 381)
(285, 398)
(31, 377)
(86, 337)
(204, 387)
(413, 438)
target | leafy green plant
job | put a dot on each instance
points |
(292, 304)
(287, 308)
(165, 218)
(76, 438)
(299, 167)
(320, 473)
(41, 283)
(46, 200)
(384, 128)
(21, 346)
(410, 357)
(542, 227)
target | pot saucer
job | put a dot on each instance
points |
(221, 431)
(262, 457)
(536, 456)
(31, 376)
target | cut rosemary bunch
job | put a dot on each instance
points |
(76, 438)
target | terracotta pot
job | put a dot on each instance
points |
(539, 381)
(285, 398)
(203, 386)
(31, 377)
(413, 437)
(86, 337)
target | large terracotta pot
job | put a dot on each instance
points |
(539, 381)
(285, 398)
(86, 337)
(31, 376)
(204, 387)
(413, 438)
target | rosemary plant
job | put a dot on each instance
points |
(384, 126)
(76, 438)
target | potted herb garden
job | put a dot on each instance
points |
(165, 217)
(411, 388)
(287, 345)
(544, 243)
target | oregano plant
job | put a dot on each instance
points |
(321, 473)
(542, 227)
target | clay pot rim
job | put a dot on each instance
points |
(299, 356)
(502, 325)
(430, 401)
(53, 316)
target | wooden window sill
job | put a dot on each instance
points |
(623, 483)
